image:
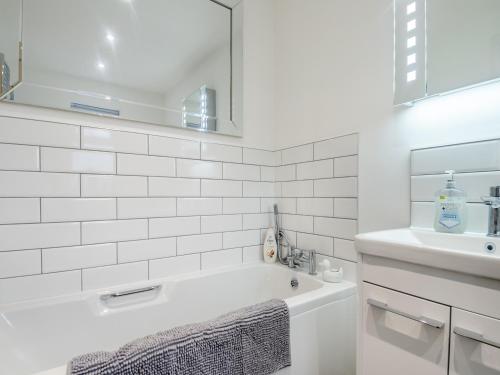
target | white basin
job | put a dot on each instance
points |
(467, 253)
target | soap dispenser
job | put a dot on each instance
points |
(451, 207)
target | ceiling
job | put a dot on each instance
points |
(146, 44)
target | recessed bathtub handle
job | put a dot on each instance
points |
(471, 335)
(421, 319)
(124, 293)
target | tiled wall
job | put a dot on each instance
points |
(318, 185)
(478, 167)
(85, 208)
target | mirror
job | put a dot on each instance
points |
(445, 45)
(10, 48)
(140, 60)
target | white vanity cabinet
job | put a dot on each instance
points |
(403, 334)
(475, 344)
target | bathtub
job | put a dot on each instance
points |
(39, 337)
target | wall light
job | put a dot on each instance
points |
(411, 8)
(411, 42)
(100, 65)
(110, 37)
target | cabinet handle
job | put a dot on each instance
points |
(421, 319)
(475, 337)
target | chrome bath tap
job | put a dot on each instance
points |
(299, 257)
(493, 201)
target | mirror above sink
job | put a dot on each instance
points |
(444, 45)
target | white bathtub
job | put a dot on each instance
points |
(41, 336)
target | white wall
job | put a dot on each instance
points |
(334, 76)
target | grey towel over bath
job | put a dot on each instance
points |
(254, 340)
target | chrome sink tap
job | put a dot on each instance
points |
(299, 257)
(493, 201)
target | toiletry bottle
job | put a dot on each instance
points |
(270, 247)
(451, 208)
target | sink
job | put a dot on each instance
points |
(466, 253)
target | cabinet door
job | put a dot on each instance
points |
(402, 334)
(475, 344)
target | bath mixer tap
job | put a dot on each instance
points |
(299, 257)
(493, 201)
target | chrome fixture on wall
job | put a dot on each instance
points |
(493, 202)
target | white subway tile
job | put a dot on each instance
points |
(160, 268)
(469, 157)
(20, 263)
(346, 208)
(258, 221)
(268, 174)
(110, 140)
(241, 238)
(19, 210)
(32, 132)
(37, 184)
(424, 188)
(267, 204)
(322, 244)
(76, 257)
(135, 208)
(114, 230)
(346, 166)
(333, 148)
(199, 169)
(340, 228)
(175, 226)
(21, 158)
(297, 223)
(336, 187)
(174, 147)
(297, 154)
(241, 172)
(221, 188)
(315, 169)
(252, 254)
(240, 205)
(286, 206)
(218, 152)
(297, 189)
(39, 286)
(199, 243)
(77, 161)
(174, 187)
(143, 165)
(222, 258)
(78, 209)
(422, 214)
(114, 186)
(34, 236)
(259, 189)
(286, 172)
(315, 206)
(221, 223)
(133, 251)
(199, 206)
(102, 277)
(344, 249)
(259, 157)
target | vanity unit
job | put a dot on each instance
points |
(430, 303)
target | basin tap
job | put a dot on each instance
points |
(298, 257)
(493, 202)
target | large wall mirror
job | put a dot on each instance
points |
(445, 45)
(165, 62)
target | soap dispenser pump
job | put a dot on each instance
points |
(451, 207)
